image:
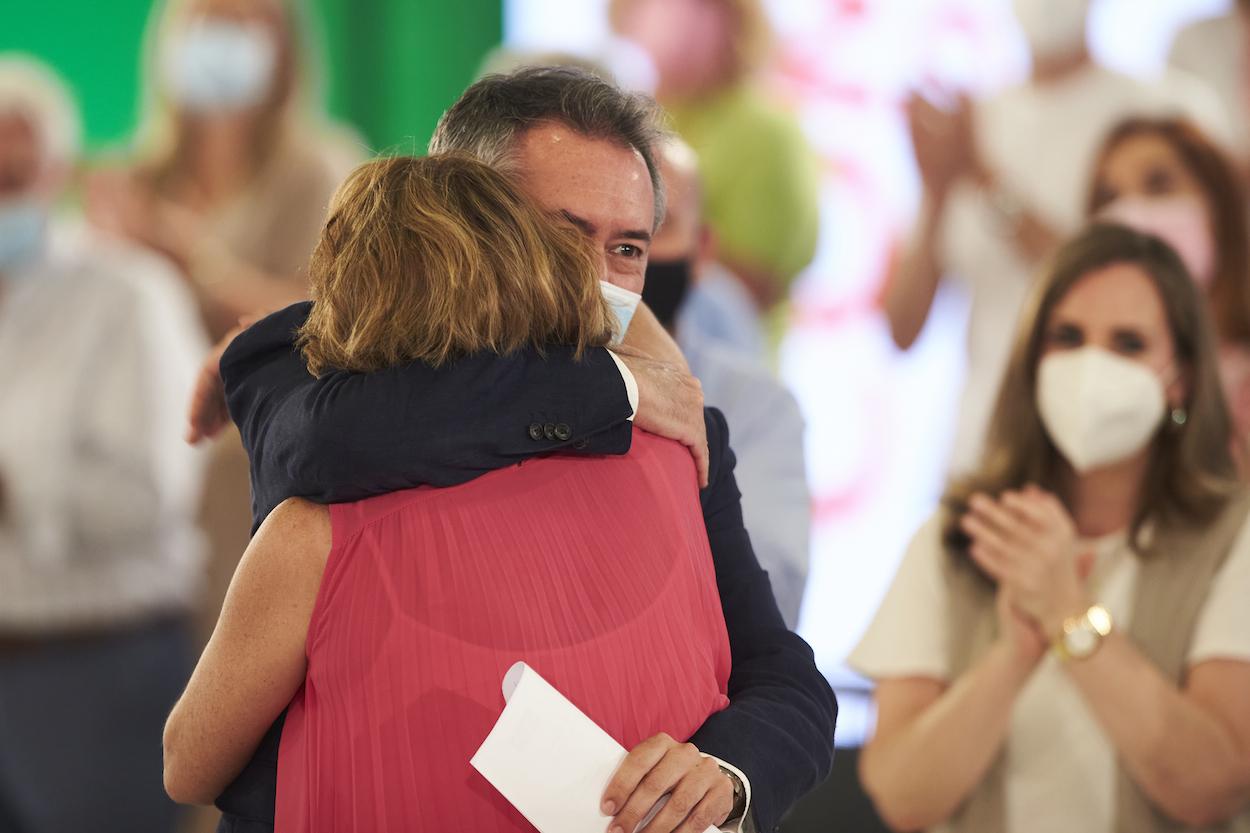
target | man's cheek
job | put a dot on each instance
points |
(631, 279)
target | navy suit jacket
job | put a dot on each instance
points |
(349, 436)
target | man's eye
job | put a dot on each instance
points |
(627, 250)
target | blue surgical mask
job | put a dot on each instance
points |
(220, 66)
(23, 224)
(623, 304)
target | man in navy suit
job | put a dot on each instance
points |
(586, 151)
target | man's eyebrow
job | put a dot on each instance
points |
(590, 229)
(635, 234)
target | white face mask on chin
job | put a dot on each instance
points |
(1053, 28)
(1098, 408)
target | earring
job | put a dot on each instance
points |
(1179, 417)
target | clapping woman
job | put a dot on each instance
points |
(1066, 645)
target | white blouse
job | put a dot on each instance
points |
(1060, 765)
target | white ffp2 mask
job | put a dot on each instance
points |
(220, 66)
(1098, 408)
(623, 304)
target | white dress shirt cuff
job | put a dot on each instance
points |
(631, 384)
(742, 823)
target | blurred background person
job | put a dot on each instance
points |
(1003, 181)
(1066, 644)
(234, 168)
(764, 419)
(1164, 177)
(1217, 50)
(231, 179)
(100, 560)
(760, 175)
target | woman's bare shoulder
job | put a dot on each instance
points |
(297, 531)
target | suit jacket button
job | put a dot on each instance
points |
(563, 432)
(536, 431)
(549, 431)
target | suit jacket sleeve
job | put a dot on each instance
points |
(778, 727)
(347, 436)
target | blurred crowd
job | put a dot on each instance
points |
(1098, 221)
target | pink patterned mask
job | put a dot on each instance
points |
(1181, 222)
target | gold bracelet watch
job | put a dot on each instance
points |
(1082, 635)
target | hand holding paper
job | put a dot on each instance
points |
(548, 759)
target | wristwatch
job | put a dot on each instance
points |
(1082, 635)
(740, 793)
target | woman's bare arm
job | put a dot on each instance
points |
(914, 277)
(255, 661)
(1187, 748)
(933, 743)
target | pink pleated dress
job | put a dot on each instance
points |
(595, 571)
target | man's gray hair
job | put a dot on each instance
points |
(495, 112)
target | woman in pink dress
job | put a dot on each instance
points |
(386, 626)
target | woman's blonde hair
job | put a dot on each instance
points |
(426, 259)
(1192, 470)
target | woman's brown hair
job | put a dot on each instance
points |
(1229, 295)
(1192, 471)
(427, 259)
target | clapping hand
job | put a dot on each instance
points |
(118, 203)
(944, 142)
(1026, 541)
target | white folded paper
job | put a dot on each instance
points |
(548, 759)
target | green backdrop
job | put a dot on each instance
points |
(390, 66)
